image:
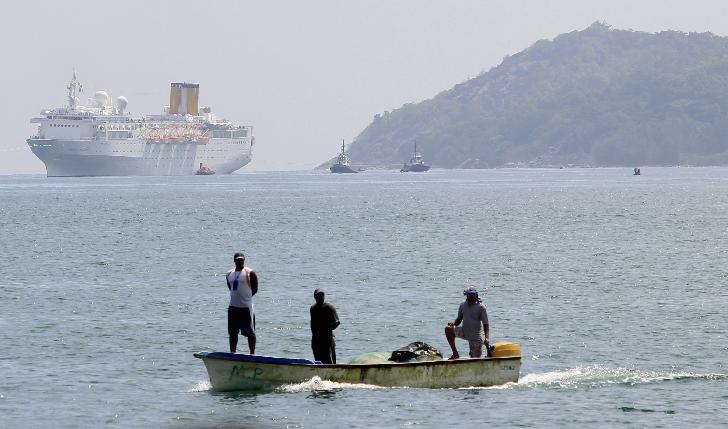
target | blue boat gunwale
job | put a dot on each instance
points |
(239, 357)
(256, 358)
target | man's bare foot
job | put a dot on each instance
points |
(454, 356)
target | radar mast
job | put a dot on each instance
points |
(74, 88)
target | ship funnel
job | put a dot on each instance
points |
(184, 98)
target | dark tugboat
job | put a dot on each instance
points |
(204, 171)
(343, 163)
(416, 164)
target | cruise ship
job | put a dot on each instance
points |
(99, 138)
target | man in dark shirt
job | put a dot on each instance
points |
(323, 322)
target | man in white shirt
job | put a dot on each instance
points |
(242, 282)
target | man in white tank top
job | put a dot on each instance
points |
(242, 282)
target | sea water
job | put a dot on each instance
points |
(614, 285)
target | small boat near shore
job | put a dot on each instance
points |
(233, 371)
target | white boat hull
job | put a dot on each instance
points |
(229, 372)
(138, 158)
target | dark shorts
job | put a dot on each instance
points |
(241, 320)
(324, 349)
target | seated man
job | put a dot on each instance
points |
(472, 314)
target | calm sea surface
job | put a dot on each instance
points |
(615, 286)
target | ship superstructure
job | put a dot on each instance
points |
(101, 139)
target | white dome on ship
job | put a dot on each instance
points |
(121, 102)
(102, 98)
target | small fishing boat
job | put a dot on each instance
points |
(343, 163)
(416, 163)
(233, 371)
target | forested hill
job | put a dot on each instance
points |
(596, 97)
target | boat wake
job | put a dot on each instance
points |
(201, 386)
(316, 385)
(602, 376)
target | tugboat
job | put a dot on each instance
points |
(204, 171)
(343, 163)
(416, 164)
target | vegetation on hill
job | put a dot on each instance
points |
(596, 97)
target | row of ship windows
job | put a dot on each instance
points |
(216, 134)
(136, 151)
(124, 134)
(154, 157)
(135, 142)
(225, 134)
(220, 134)
(173, 158)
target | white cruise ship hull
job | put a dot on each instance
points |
(132, 157)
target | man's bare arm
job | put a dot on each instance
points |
(254, 282)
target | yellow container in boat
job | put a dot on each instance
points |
(505, 349)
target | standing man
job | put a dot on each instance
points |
(323, 322)
(472, 314)
(243, 284)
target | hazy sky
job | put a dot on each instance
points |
(305, 74)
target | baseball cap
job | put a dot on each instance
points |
(318, 291)
(239, 255)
